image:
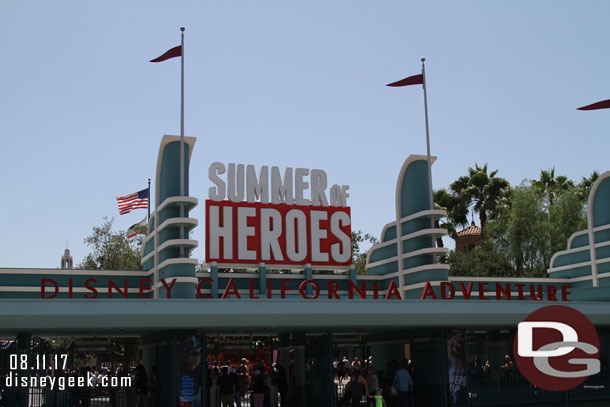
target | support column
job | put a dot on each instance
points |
(205, 392)
(309, 276)
(23, 348)
(300, 367)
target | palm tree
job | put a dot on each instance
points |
(482, 190)
(551, 186)
(457, 212)
(585, 186)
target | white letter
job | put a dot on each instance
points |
(335, 195)
(216, 232)
(525, 336)
(281, 192)
(300, 185)
(337, 220)
(296, 240)
(236, 195)
(344, 194)
(317, 234)
(318, 188)
(269, 235)
(243, 231)
(257, 188)
(216, 193)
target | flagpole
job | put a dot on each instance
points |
(431, 196)
(149, 203)
(182, 115)
(182, 135)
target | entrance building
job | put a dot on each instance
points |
(305, 306)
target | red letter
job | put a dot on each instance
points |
(428, 291)
(70, 287)
(501, 292)
(565, 292)
(203, 281)
(43, 283)
(269, 291)
(112, 285)
(533, 292)
(444, 296)
(333, 286)
(231, 289)
(284, 287)
(393, 291)
(93, 280)
(466, 292)
(168, 288)
(482, 291)
(551, 290)
(144, 287)
(303, 293)
(252, 296)
(353, 287)
(375, 290)
(520, 289)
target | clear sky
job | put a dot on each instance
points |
(286, 83)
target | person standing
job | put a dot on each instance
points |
(403, 384)
(226, 387)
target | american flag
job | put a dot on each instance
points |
(133, 201)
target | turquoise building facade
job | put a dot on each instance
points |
(403, 308)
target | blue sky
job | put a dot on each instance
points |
(287, 83)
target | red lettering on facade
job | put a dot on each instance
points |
(43, 283)
(231, 289)
(444, 294)
(428, 292)
(202, 282)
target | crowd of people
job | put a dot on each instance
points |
(394, 389)
(263, 385)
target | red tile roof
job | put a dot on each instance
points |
(472, 230)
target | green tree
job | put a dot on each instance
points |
(585, 186)
(551, 186)
(358, 256)
(484, 191)
(485, 260)
(529, 232)
(112, 250)
(457, 212)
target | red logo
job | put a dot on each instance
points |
(557, 348)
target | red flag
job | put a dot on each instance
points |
(172, 53)
(604, 104)
(411, 80)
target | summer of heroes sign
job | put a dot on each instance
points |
(289, 219)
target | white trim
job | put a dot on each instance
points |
(381, 262)
(177, 200)
(425, 267)
(63, 272)
(428, 250)
(147, 257)
(177, 242)
(193, 280)
(574, 235)
(434, 232)
(179, 221)
(591, 223)
(510, 279)
(568, 251)
(569, 266)
(433, 213)
(254, 266)
(33, 289)
(420, 285)
(180, 260)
